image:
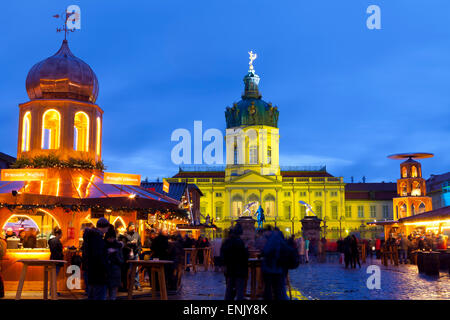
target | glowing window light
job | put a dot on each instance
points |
(42, 187)
(427, 223)
(80, 181)
(99, 130)
(51, 124)
(26, 129)
(89, 186)
(81, 131)
(57, 188)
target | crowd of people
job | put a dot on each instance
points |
(278, 256)
(105, 254)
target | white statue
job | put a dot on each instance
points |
(252, 58)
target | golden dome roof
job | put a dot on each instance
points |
(62, 76)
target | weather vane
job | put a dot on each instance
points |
(71, 16)
(252, 57)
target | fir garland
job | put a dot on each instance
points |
(53, 161)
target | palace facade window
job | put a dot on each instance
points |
(348, 211)
(269, 155)
(385, 211)
(269, 204)
(360, 211)
(334, 212)
(253, 154)
(236, 205)
(373, 211)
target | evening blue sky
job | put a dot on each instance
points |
(347, 96)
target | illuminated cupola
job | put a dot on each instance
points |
(61, 117)
(411, 187)
(252, 134)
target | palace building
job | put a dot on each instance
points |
(253, 174)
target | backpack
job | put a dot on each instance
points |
(289, 256)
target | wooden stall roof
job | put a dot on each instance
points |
(433, 215)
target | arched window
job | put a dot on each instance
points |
(81, 132)
(253, 198)
(402, 211)
(404, 172)
(99, 132)
(269, 155)
(414, 171)
(269, 205)
(51, 127)
(236, 205)
(416, 189)
(235, 154)
(26, 129)
(37, 226)
(403, 189)
(422, 208)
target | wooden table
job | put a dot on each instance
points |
(193, 252)
(207, 259)
(49, 267)
(253, 264)
(155, 266)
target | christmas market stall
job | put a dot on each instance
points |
(59, 179)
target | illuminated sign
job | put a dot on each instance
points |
(166, 186)
(122, 178)
(24, 174)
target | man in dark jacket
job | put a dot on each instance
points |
(114, 262)
(56, 249)
(273, 270)
(135, 244)
(235, 255)
(95, 259)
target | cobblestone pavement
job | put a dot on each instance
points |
(324, 281)
(332, 281)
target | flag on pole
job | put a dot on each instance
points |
(166, 186)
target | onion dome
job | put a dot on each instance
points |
(251, 110)
(62, 76)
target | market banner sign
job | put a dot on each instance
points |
(166, 186)
(24, 174)
(122, 178)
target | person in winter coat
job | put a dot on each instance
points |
(114, 262)
(135, 244)
(340, 249)
(355, 252)
(273, 271)
(56, 249)
(347, 247)
(95, 259)
(301, 249)
(307, 242)
(235, 256)
(403, 249)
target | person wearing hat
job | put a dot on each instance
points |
(95, 259)
(10, 233)
(133, 240)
